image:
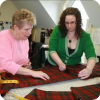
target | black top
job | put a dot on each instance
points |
(70, 50)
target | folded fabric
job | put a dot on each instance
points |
(37, 94)
(27, 81)
(77, 93)
(5, 88)
(96, 70)
(52, 71)
(87, 92)
(32, 95)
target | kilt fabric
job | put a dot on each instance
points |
(52, 71)
(77, 93)
(87, 92)
(5, 88)
(37, 94)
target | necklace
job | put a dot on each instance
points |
(70, 40)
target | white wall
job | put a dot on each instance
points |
(42, 16)
(53, 9)
(7, 9)
(93, 10)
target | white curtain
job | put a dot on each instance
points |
(95, 35)
(88, 26)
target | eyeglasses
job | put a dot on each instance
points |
(71, 23)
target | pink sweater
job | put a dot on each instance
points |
(13, 53)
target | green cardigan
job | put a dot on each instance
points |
(59, 45)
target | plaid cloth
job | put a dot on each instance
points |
(37, 94)
(26, 81)
(96, 70)
(77, 93)
(5, 88)
(52, 71)
(87, 92)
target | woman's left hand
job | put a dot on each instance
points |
(27, 65)
(85, 73)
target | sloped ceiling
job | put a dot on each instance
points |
(43, 18)
(93, 10)
(53, 8)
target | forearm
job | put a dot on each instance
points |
(85, 73)
(24, 71)
(37, 74)
(56, 58)
(91, 64)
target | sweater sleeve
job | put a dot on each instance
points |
(6, 61)
(89, 48)
(54, 40)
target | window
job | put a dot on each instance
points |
(78, 4)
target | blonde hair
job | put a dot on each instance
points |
(22, 17)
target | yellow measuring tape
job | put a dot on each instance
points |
(4, 81)
(17, 97)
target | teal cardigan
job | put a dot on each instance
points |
(59, 45)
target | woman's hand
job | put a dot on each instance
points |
(36, 74)
(27, 65)
(40, 74)
(85, 73)
(62, 66)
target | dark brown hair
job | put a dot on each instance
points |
(61, 23)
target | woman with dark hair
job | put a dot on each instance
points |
(68, 41)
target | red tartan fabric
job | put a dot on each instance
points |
(96, 70)
(37, 94)
(32, 95)
(77, 93)
(27, 81)
(53, 72)
(5, 88)
(87, 92)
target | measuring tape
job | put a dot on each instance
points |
(17, 97)
(4, 81)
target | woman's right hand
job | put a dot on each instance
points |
(62, 66)
(40, 74)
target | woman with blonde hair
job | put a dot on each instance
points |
(14, 46)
